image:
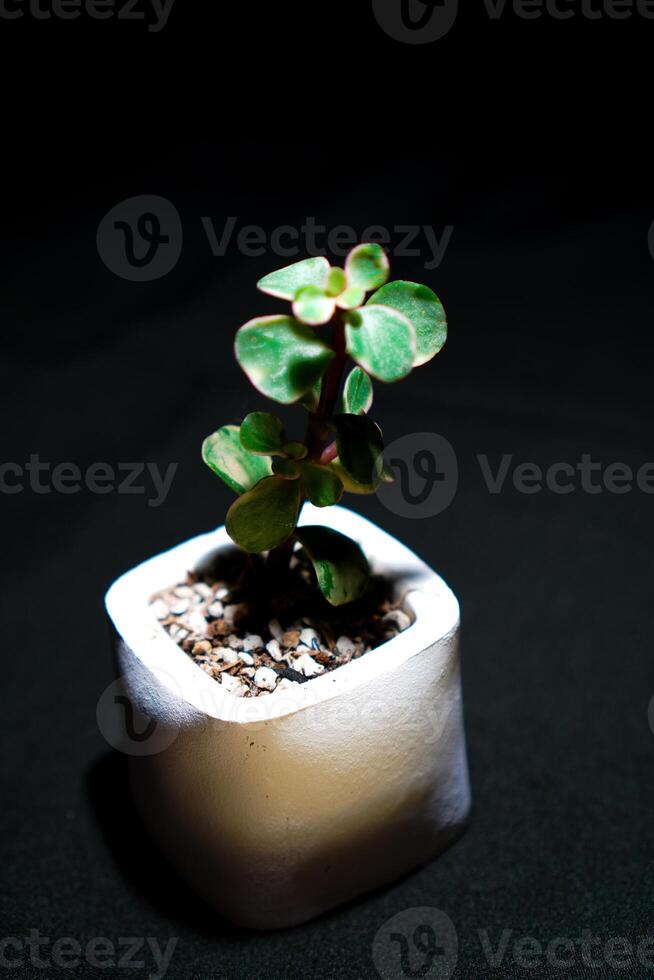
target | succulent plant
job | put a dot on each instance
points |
(386, 329)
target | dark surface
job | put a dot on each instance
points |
(548, 285)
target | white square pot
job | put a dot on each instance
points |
(279, 807)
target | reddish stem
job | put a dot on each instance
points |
(318, 429)
(329, 454)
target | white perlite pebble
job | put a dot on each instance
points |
(275, 628)
(274, 650)
(226, 656)
(307, 665)
(232, 685)
(235, 642)
(179, 607)
(309, 638)
(252, 642)
(160, 609)
(184, 592)
(222, 592)
(345, 646)
(215, 610)
(397, 618)
(246, 658)
(265, 679)
(178, 633)
(203, 590)
(196, 621)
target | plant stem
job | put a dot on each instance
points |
(318, 429)
(318, 432)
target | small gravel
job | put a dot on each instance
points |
(266, 679)
(275, 629)
(274, 650)
(160, 609)
(345, 646)
(179, 607)
(306, 665)
(252, 643)
(251, 656)
(397, 618)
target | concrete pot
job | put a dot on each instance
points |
(278, 808)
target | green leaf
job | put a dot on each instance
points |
(262, 434)
(349, 483)
(351, 298)
(382, 341)
(265, 517)
(357, 393)
(336, 281)
(282, 358)
(360, 447)
(312, 397)
(425, 311)
(224, 454)
(321, 484)
(286, 283)
(286, 468)
(341, 567)
(367, 267)
(313, 306)
(296, 450)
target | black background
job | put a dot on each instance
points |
(530, 139)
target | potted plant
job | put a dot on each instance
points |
(295, 674)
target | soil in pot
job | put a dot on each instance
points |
(256, 633)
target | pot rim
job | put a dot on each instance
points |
(426, 596)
